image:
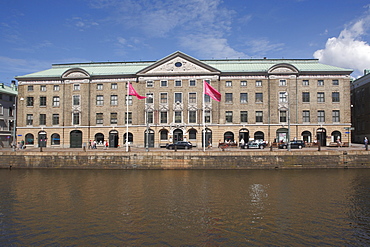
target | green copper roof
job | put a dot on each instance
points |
(8, 90)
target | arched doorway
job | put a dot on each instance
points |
(75, 139)
(306, 135)
(259, 135)
(99, 138)
(42, 139)
(336, 135)
(282, 135)
(149, 135)
(178, 135)
(208, 137)
(113, 139)
(229, 136)
(130, 138)
(321, 136)
(244, 134)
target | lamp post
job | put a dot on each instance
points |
(148, 100)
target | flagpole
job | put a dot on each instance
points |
(127, 116)
(204, 122)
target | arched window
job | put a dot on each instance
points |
(29, 139)
(229, 136)
(259, 135)
(192, 134)
(99, 138)
(130, 138)
(55, 139)
(164, 135)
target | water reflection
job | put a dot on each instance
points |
(191, 208)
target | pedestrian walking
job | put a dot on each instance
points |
(366, 141)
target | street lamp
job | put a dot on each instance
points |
(148, 100)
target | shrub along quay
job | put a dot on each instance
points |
(186, 159)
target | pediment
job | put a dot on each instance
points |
(178, 63)
(75, 73)
(283, 69)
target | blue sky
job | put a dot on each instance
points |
(38, 33)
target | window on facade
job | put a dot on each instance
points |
(305, 83)
(207, 98)
(321, 116)
(320, 83)
(99, 86)
(1, 110)
(42, 101)
(29, 139)
(29, 119)
(192, 98)
(113, 118)
(259, 97)
(99, 118)
(305, 96)
(335, 82)
(320, 97)
(207, 116)
(55, 119)
(76, 100)
(114, 100)
(10, 114)
(149, 83)
(56, 88)
(29, 101)
(43, 88)
(163, 98)
(243, 116)
(283, 97)
(129, 118)
(164, 135)
(336, 117)
(335, 97)
(164, 117)
(306, 116)
(192, 83)
(178, 116)
(178, 83)
(42, 119)
(259, 116)
(99, 100)
(228, 98)
(149, 98)
(76, 118)
(243, 83)
(258, 83)
(164, 84)
(30, 88)
(229, 116)
(283, 116)
(192, 116)
(243, 98)
(192, 134)
(178, 97)
(56, 101)
(113, 86)
(149, 117)
(76, 87)
(228, 83)
(129, 99)
(55, 139)
(282, 82)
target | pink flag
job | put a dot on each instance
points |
(213, 93)
(131, 91)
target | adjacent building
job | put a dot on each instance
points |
(8, 95)
(270, 99)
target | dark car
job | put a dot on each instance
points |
(293, 144)
(254, 144)
(179, 145)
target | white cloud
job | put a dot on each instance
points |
(348, 50)
(263, 46)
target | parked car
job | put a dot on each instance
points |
(293, 144)
(180, 145)
(254, 144)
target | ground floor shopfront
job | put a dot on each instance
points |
(159, 136)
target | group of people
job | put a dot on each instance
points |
(93, 144)
(18, 146)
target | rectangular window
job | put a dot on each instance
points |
(10, 114)
(228, 83)
(320, 97)
(29, 119)
(1, 110)
(113, 118)
(228, 98)
(306, 116)
(99, 118)
(113, 86)
(305, 83)
(99, 86)
(114, 100)
(178, 97)
(30, 88)
(149, 98)
(42, 119)
(163, 98)
(192, 98)
(149, 83)
(56, 88)
(29, 101)
(207, 98)
(229, 116)
(178, 116)
(321, 116)
(335, 97)
(99, 100)
(129, 100)
(335, 83)
(283, 97)
(163, 117)
(76, 87)
(282, 82)
(42, 101)
(192, 83)
(192, 116)
(76, 118)
(244, 117)
(243, 98)
(259, 97)
(259, 116)
(283, 116)
(76, 100)
(306, 97)
(164, 84)
(56, 101)
(43, 88)
(207, 116)
(149, 117)
(178, 83)
(258, 83)
(336, 116)
(55, 119)
(243, 83)
(320, 83)
(129, 118)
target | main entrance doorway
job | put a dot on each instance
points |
(113, 139)
(178, 135)
(75, 139)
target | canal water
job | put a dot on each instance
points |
(185, 207)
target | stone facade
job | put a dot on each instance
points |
(8, 95)
(273, 100)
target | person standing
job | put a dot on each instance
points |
(366, 141)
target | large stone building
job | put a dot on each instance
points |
(269, 99)
(8, 97)
(360, 93)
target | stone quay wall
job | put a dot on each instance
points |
(185, 160)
